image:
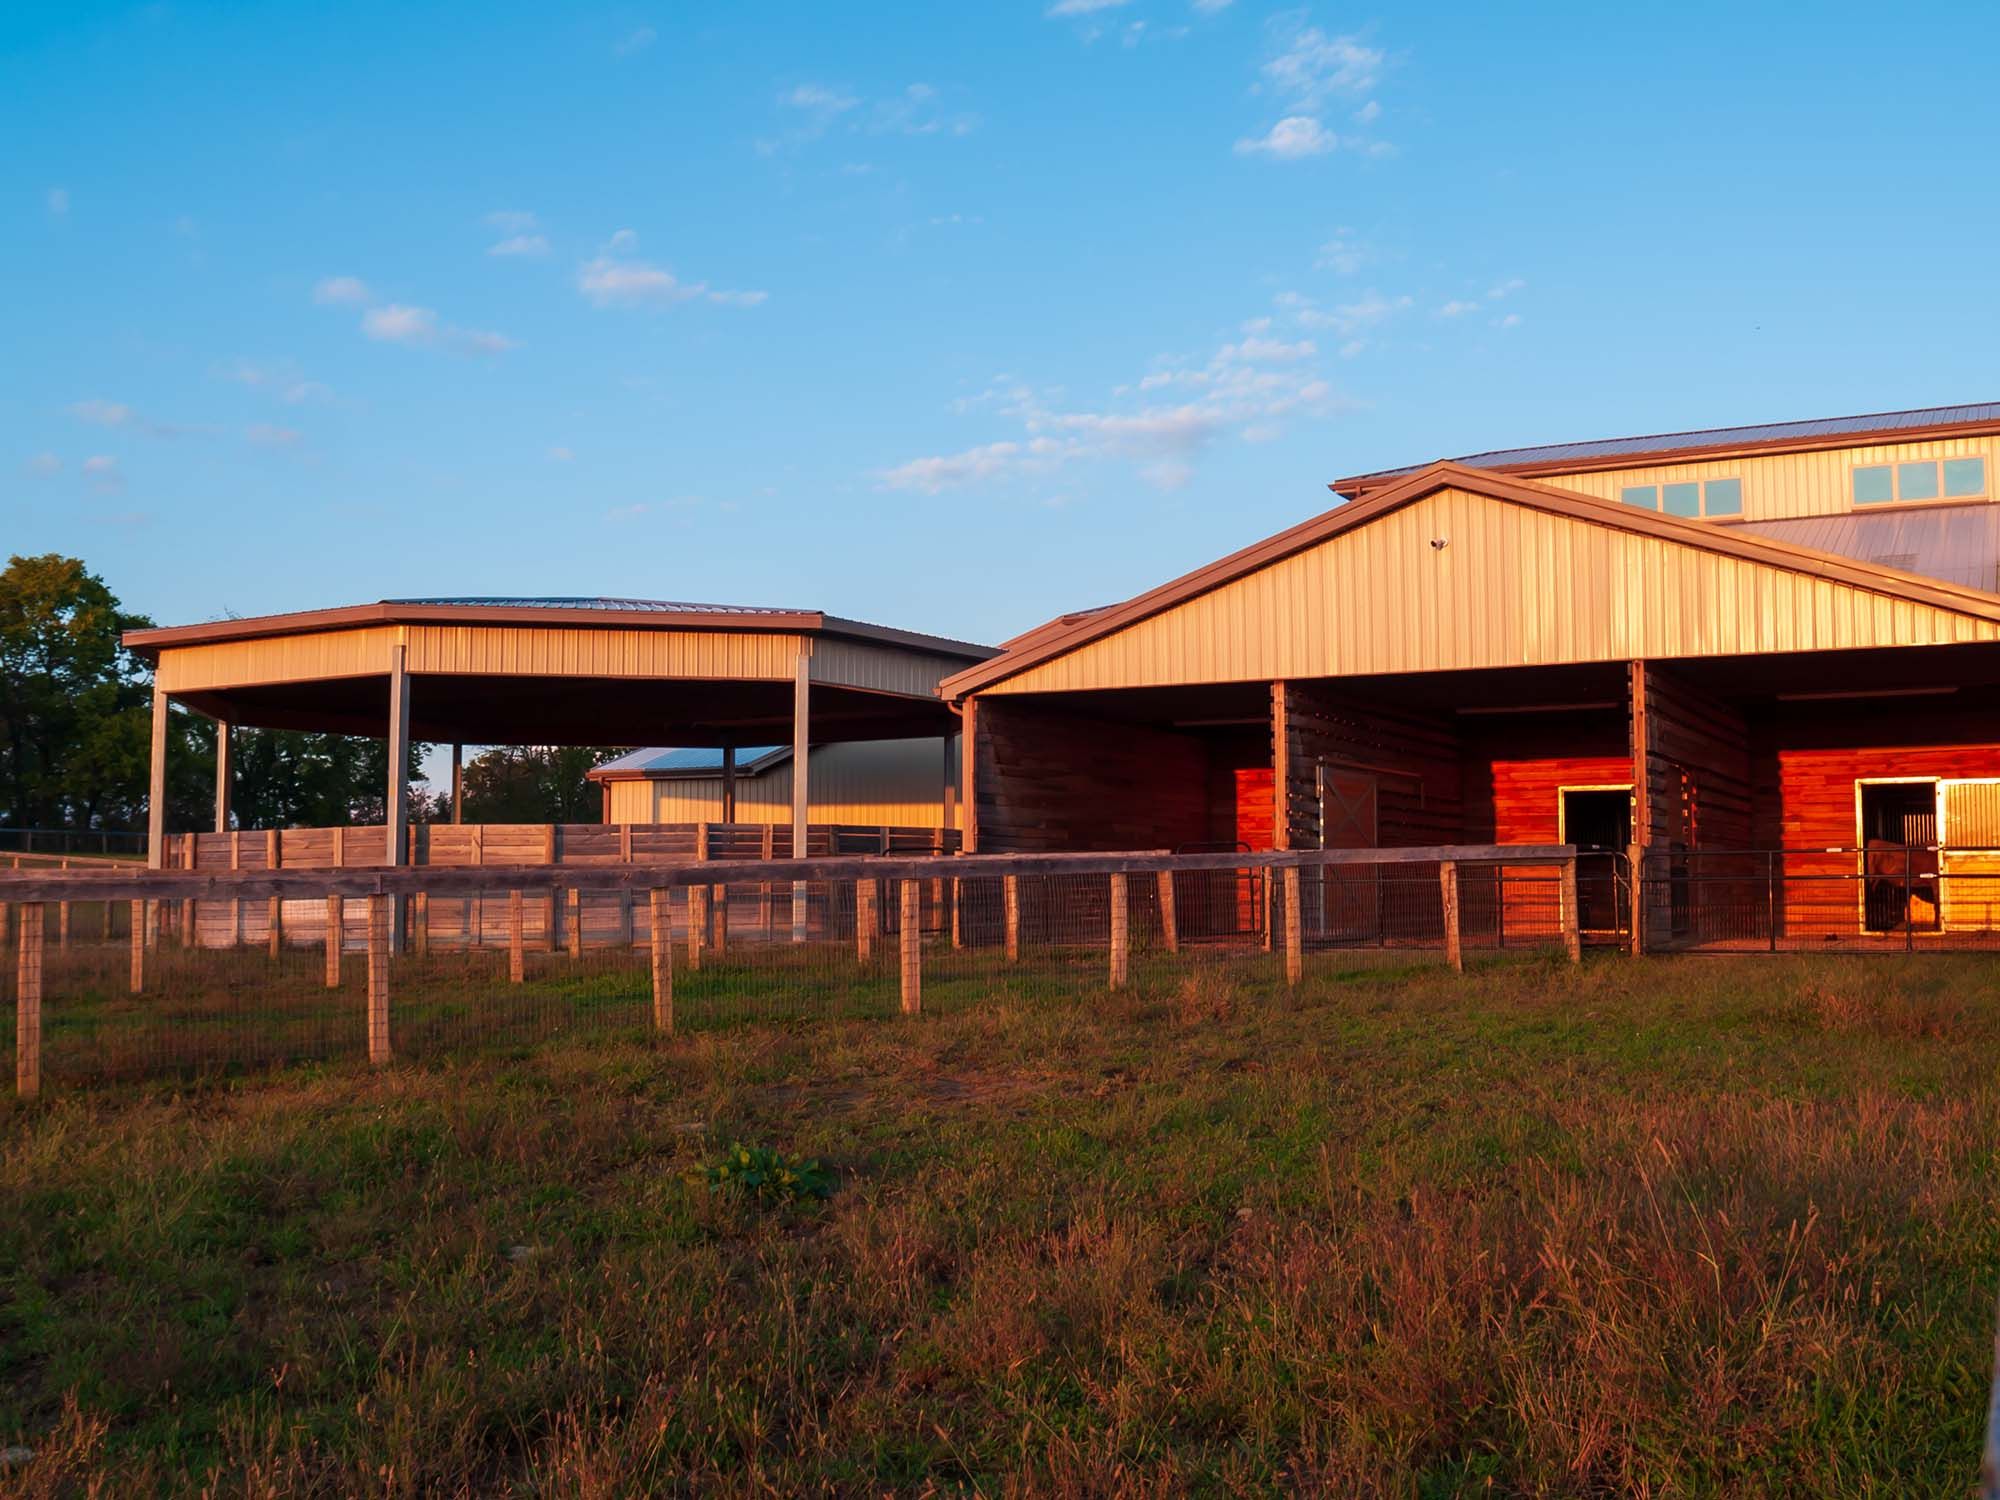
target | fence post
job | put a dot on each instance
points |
(697, 922)
(62, 921)
(662, 933)
(420, 924)
(1572, 919)
(1771, 900)
(1909, 925)
(138, 940)
(1637, 859)
(864, 920)
(1295, 962)
(1010, 886)
(274, 909)
(718, 899)
(378, 977)
(517, 937)
(574, 923)
(1121, 930)
(336, 939)
(28, 1003)
(1170, 924)
(912, 937)
(627, 932)
(1454, 952)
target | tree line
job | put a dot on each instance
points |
(76, 737)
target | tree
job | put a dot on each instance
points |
(532, 784)
(74, 714)
(76, 727)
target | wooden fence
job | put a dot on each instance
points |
(859, 891)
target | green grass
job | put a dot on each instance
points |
(1681, 1226)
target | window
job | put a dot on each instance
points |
(1923, 479)
(1693, 498)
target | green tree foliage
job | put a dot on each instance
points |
(76, 727)
(74, 704)
(533, 784)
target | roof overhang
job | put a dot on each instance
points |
(1061, 637)
(745, 770)
(147, 643)
(1362, 486)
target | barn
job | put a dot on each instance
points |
(1624, 646)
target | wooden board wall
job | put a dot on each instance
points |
(1054, 781)
(1413, 756)
(1515, 766)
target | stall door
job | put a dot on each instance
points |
(1351, 899)
(1969, 859)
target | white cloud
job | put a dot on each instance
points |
(43, 465)
(1314, 66)
(1246, 387)
(1512, 320)
(1507, 288)
(341, 291)
(395, 323)
(531, 246)
(1341, 254)
(1291, 138)
(102, 471)
(561, 455)
(1345, 318)
(819, 99)
(609, 281)
(281, 380)
(264, 435)
(57, 199)
(1457, 309)
(1369, 113)
(478, 341)
(1083, 7)
(635, 41)
(100, 413)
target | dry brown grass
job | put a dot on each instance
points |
(1703, 1227)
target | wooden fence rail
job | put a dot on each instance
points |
(853, 889)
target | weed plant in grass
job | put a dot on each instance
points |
(1695, 1226)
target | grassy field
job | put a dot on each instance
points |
(1687, 1226)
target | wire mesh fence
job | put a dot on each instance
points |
(111, 977)
(1885, 897)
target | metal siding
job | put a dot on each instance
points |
(1512, 587)
(287, 658)
(536, 651)
(897, 782)
(1784, 485)
(881, 669)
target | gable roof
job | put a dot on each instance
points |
(1071, 633)
(1711, 442)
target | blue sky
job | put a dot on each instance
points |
(951, 317)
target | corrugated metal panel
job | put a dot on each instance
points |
(899, 782)
(881, 669)
(609, 605)
(287, 658)
(688, 761)
(1954, 543)
(579, 652)
(1782, 485)
(1766, 432)
(1512, 586)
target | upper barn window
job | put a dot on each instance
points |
(1923, 479)
(1714, 497)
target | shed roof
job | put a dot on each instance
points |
(1710, 442)
(660, 763)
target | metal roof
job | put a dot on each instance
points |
(686, 760)
(1953, 543)
(599, 602)
(1831, 428)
